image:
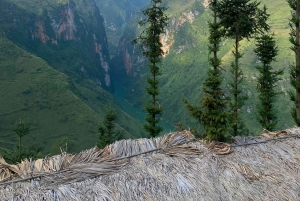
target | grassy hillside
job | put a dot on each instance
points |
(33, 91)
(185, 67)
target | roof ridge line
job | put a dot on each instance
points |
(265, 141)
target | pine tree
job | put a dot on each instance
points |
(212, 112)
(21, 151)
(266, 51)
(150, 44)
(107, 133)
(22, 129)
(295, 69)
(240, 19)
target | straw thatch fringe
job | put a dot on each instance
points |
(264, 137)
(91, 163)
(220, 148)
(182, 169)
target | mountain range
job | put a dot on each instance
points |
(63, 61)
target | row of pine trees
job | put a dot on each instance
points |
(220, 113)
(237, 20)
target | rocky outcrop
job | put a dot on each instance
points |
(64, 25)
(124, 51)
(131, 59)
(175, 24)
(67, 25)
(187, 16)
(40, 32)
(167, 40)
(103, 60)
(206, 3)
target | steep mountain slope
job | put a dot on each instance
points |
(54, 68)
(32, 90)
(69, 35)
(186, 62)
(117, 14)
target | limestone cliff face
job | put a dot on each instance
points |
(206, 3)
(103, 59)
(65, 30)
(175, 24)
(67, 26)
(132, 60)
(123, 51)
(40, 32)
(117, 14)
(167, 40)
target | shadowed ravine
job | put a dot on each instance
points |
(119, 94)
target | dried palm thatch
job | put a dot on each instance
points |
(171, 167)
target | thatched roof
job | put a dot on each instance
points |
(172, 167)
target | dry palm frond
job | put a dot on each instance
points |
(7, 171)
(144, 169)
(182, 150)
(268, 134)
(220, 148)
(67, 168)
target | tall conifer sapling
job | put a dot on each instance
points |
(150, 44)
(295, 69)
(212, 112)
(266, 51)
(240, 19)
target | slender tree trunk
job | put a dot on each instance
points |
(20, 138)
(236, 68)
(154, 99)
(264, 87)
(267, 117)
(215, 45)
(297, 63)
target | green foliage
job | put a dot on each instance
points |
(11, 156)
(212, 112)
(238, 98)
(20, 151)
(179, 126)
(62, 144)
(151, 46)
(240, 19)
(295, 69)
(294, 73)
(21, 129)
(266, 51)
(107, 133)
